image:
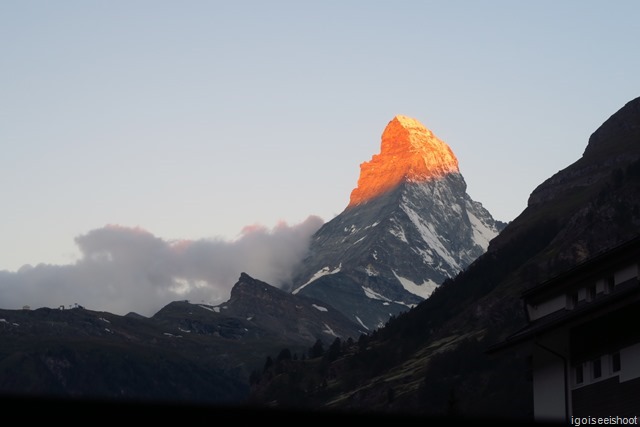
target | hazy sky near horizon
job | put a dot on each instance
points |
(193, 120)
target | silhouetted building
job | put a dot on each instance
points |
(583, 337)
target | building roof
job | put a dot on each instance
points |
(603, 260)
(624, 294)
(628, 293)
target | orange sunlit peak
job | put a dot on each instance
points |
(409, 123)
(408, 152)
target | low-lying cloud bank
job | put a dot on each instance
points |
(125, 269)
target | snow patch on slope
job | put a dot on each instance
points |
(424, 290)
(425, 254)
(370, 270)
(359, 240)
(399, 233)
(370, 293)
(319, 307)
(482, 234)
(351, 229)
(361, 324)
(209, 308)
(318, 274)
(429, 235)
(329, 330)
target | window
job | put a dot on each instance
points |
(596, 368)
(579, 374)
(609, 284)
(615, 362)
(591, 293)
(591, 371)
(572, 300)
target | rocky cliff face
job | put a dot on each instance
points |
(613, 145)
(296, 319)
(409, 226)
(601, 183)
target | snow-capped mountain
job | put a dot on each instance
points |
(409, 226)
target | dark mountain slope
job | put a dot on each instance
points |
(186, 353)
(83, 354)
(257, 311)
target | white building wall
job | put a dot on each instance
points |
(630, 272)
(548, 387)
(547, 307)
(582, 294)
(630, 363)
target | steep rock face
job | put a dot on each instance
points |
(257, 311)
(602, 183)
(409, 226)
(618, 134)
(296, 318)
(613, 145)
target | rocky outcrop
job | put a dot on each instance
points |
(617, 134)
(613, 145)
(297, 319)
(595, 197)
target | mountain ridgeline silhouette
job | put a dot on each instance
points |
(432, 359)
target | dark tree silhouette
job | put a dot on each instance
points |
(317, 350)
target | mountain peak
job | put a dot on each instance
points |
(408, 152)
(407, 123)
(617, 135)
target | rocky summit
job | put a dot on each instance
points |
(409, 151)
(409, 226)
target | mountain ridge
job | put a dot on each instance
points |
(188, 353)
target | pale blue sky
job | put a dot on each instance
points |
(193, 119)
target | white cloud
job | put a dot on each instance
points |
(125, 269)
